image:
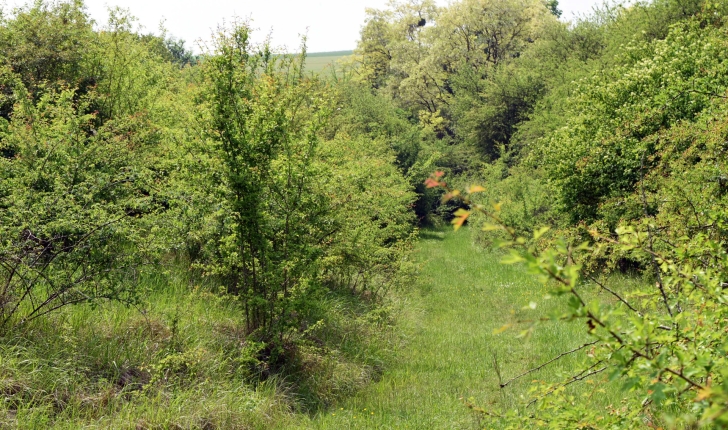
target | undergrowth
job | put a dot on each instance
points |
(184, 362)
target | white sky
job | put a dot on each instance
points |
(332, 25)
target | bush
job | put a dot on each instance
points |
(615, 119)
(78, 205)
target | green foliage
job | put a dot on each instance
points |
(360, 112)
(441, 369)
(443, 73)
(293, 196)
(649, 338)
(78, 206)
(130, 73)
(615, 119)
(489, 111)
(123, 158)
(525, 198)
(553, 7)
(178, 52)
(368, 245)
(46, 43)
(265, 120)
(299, 211)
(642, 157)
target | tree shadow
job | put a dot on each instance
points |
(432, 234)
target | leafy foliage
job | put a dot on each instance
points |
(114, 157)
(640, 156)
(265, 122)
(78, 206)
(609, 141)
(47, 43)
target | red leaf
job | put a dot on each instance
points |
(431, 183)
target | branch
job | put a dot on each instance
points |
(602, 286)
(535, 369)
(684, 378)
(650, 238)
(579, 377)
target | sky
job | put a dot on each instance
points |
(330, 25)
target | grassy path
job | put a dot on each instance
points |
(462, 295)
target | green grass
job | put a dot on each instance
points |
(463, 295)
(184, 363)
(181, 363)
(175, 364)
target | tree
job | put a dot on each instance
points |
(45, 44)
(553, 7)
(264, 117)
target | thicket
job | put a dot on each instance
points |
(589, 147)
(594, 146)
(126, 161)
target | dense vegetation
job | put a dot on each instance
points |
(216, 240)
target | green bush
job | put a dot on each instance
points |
(78, 206)
(609, 140)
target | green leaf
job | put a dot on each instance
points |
(540, 232)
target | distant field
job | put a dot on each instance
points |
(320, 61)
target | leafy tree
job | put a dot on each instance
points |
(601, 153)
(553, 7)
(45, 44)
(298, 211)
(130, 73)
(374, 50)
(179, 53)
(265, 116)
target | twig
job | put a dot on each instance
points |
(684, 378)
(535, 369)
(649, 235)
(579, 377)
(604, 287)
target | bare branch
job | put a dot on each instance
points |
(586, 373)
(604, 287)
(535, 369)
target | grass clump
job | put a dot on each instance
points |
(185, 361)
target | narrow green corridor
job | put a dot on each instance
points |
(462, 296)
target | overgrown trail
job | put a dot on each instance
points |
(462, 295)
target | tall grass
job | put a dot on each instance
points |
(183, 361)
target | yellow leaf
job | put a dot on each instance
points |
(502, 329)
(449, 196)
(497, 206)
(704, 394)
(461, 212)
(476, 189)
(460, 219)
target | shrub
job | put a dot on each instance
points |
(76, 206)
